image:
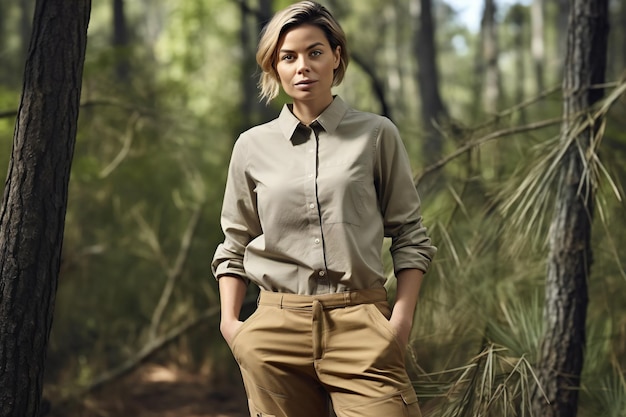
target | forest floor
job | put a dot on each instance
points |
(155, 391)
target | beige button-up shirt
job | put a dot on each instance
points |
(306, 209)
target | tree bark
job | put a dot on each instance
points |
(433, 110)
(569, 260)
(32, 214)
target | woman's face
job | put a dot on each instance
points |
(306, 64)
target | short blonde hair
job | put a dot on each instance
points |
(303, 12)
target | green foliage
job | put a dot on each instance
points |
(148, 154)
(485, 292)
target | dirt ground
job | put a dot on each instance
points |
(156, 391)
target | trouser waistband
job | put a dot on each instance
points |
(335, 300)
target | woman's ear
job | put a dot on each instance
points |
(337, 56)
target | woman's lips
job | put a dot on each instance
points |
(304, 84)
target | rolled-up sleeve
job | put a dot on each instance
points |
(400, 203)
(239, 218)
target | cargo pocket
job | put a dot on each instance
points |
(254, 412)
(411, 405)
(399, 404)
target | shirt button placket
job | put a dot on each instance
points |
(315, 214)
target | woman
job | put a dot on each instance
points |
(309, 198)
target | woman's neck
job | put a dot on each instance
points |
(306, 111)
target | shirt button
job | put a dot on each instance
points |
(312, 205)
(317, 241)
(322, 273)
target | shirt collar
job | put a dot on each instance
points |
(329, 119)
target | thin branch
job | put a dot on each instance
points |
(149, 236)
(377, 85)
(527, 103)
(478, 142)
(92, 103)
(128, 140)
(175, 272)
(8, 113)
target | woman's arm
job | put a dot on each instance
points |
(407, 293)
(232, 294)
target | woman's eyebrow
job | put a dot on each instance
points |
(309, 47)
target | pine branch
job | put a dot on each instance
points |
(174, 273)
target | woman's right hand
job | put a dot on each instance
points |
(229, 328)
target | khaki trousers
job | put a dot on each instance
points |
(297, 354)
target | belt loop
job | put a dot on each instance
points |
(346, 298)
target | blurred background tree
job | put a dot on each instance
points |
(167, 88)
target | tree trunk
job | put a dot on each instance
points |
(562, 14)
(249, 88)
(621, 72)
(120, 41)
(433, 110)
(32, 214)
(570, 256)
(252, 110)
(395, 26)
(518, 21)
(489, 37)
(537, 43)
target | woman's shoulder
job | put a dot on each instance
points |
(369, 120)
(368, 117)
(261, 130)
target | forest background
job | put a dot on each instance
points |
(167, 88)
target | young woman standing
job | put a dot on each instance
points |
(309, 198)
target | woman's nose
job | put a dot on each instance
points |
(303, 64)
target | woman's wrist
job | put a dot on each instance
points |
(232, 293)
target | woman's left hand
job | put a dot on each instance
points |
(402, 329)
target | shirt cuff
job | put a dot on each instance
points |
(410, 258)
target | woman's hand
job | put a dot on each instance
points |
(228, 329)
(409, 283)
(402, 329)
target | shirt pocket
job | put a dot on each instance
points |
(345, 191)
(344, 203)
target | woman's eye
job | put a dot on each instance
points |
(286, 57)
(316, 53)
